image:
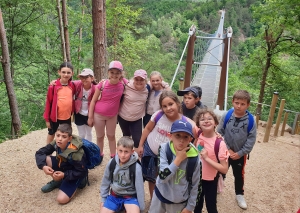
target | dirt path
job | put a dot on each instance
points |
(272, 179)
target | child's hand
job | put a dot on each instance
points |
(185, 211)
(203, 154)
(48, 125)
(52, 83)
(90, 122)
(234, 156)
(140, 151)
(181, 155)
(48, 170)
(58, 175)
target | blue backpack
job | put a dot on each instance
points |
(92, 152)
(250, 116)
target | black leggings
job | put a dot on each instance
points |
(131, 128)
(209, 192)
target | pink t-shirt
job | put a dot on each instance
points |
(109, 103)
(208, 172)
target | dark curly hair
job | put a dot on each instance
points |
(201, 112)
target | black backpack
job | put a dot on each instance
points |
(112, 167)
(190, 166)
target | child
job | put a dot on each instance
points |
(66, 175)
(238, 140)
(104, 107)
(172, 191)
(59, 102)
(199, 103)
(156, 132)
(207, 121)
(85, 89)
(191, 99)
(120, 191)
(132, 109)
(158, 85)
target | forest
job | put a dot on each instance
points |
(150, 35)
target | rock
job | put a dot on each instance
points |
(286, 129)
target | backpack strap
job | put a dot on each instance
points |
(190, 168)
(227, 117)
(169, 155)
(158, 116)
(112, 167)
(217, 147)
(132, 171)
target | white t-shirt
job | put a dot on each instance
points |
(85, 104)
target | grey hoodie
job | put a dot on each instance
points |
(121, 184)
(172, 183)
(236, 135)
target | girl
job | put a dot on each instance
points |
(59, 101)
(156, 81)
(133, 106)
(105, 104)
(207, 121)
(156, 132)
(85, 89)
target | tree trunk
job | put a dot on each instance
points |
(66, 31)
(80, 36)
(269, 53)
(61, 29)
(99, 38)
(5, 60)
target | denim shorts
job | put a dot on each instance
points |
(116, 204)
(149, 164)
(67, 186)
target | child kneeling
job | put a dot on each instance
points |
(67, 168)
(173, 192)
(119, 188)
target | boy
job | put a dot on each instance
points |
(238, 140)
(191, 100)
(173, 193)
(67, 168)
(120, 191)
(59, 101)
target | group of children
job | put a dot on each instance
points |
(177, 146)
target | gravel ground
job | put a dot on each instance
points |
(272, 179)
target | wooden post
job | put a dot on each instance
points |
(284, 122)
(256, 120)
(270, 118)
(180, 88)
(279, 117)
(222, 84)
(189, 57)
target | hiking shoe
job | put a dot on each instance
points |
(241, 201)
(50, 186)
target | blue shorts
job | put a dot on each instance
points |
(116, 204)
(67, 186)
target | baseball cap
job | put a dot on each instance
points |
(115, 65)
(188, 89)
(182, 126)
(86, 72)
(140, 73)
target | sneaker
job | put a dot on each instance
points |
(241, 201)
(50, 186)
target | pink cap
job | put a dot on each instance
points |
(140, 73)
(115, 65)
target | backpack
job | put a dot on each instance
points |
(132, 170)
(190, 166)
(250, 116)
(92, 152)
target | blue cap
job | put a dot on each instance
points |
(182, 126)
(188, 89)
